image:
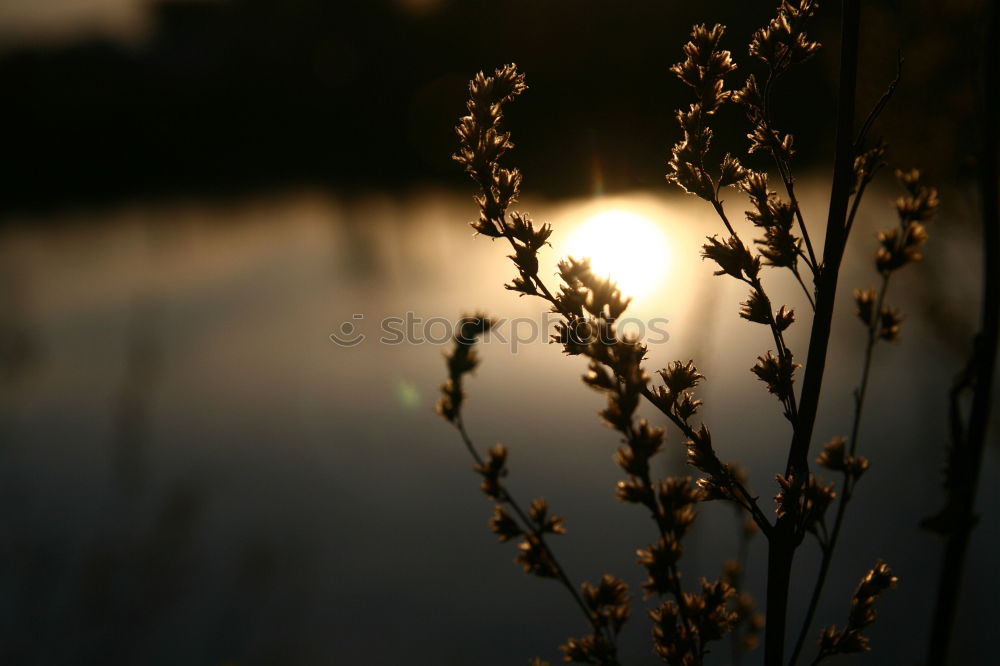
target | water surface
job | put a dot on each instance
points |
(193, 472)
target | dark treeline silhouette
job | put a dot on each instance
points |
(242, 94)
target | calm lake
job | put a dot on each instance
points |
(193, 472)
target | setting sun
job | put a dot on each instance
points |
(629, 247)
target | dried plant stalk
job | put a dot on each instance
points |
(957, 519)
(589, 306)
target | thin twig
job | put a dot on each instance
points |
(855, 204)
(772, 76)
(742, 556)
(675, 577)
(873, 337)
(805, 290)
(779, 340)
(530, 527)
(781, 348)
(859, 142)
(725, 220)
(750, 501)
(786, 178)
(847, 490)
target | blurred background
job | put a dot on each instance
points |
(195, 194)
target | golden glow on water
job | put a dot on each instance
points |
(626, 245)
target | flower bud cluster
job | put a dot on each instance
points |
(901, 246)
(481, 145)
(806, 503)
(733, 257)
(708, 617)
(748, 623)
(608, 604)
(850, 640)
(782, 42)
(776, 217)
(778, 373)
(462, 360)
(835, 458)
(898, 247)
(703, 69)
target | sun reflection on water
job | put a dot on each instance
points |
(626, 245)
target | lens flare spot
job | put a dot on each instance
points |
(407, 394)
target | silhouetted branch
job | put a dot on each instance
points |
(829, 544)
(967, 451)
(876, 111)
(781, 163)
(783, 540)
(746, 500)
(529, 526)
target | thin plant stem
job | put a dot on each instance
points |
(879, 106)
(873, 336)
(561, 574)
(755, 283)
(786, 178)
(805, 290)
(749, 502)
(784, 171)
(743, 555)
(836, 237)
(830, 542)
(781, 348)
(856, 203)
(783, 539)
(725, 220)
(675, 577)
(967, 452)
